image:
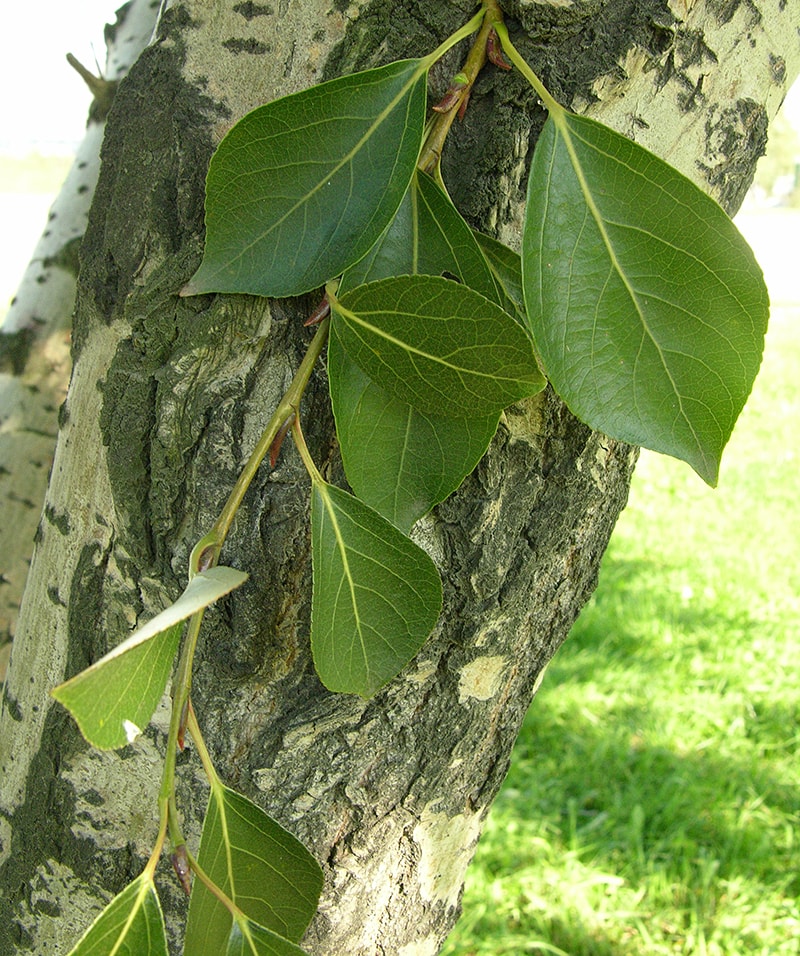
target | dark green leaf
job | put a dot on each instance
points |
(645, 303)
(376, 598)
(113, 700)
(506, 267)
(301, 188)
(398, 460)
(250, 939)
(131, 925)
(261, 867)
(437, 345)
(427, 237)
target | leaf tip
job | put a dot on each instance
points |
(709, 474)
(199, 283)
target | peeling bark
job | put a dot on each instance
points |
(167, 399)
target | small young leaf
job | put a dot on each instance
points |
(249, 939)
(266, 871)
(113, 700)
(437, 345)
(376, 596)
(398, 460)
(645, 303)
(301, 188)
(131, 925)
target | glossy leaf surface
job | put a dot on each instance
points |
(131, 925)
(266, 871)
(301, 188)
(376, 597)
(399, 460)
(113, 700)
(645, 303)
(437, 345)
(250, 939)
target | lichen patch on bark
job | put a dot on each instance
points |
(424, 947)
(446, 846)
(481, 678)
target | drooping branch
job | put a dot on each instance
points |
(168, 398)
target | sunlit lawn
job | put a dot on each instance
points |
(653, 805)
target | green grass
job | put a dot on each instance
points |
(653, 805)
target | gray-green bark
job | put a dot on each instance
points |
(169, 396)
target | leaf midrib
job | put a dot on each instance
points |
(342, 548)
(459, 370)
(561, 120)
(139, 904)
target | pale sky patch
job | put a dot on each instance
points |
(45, 102)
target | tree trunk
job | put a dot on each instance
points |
(34, 339)
(169, 395)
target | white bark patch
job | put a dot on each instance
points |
(42, 308)
(524, 420)
(78, 908)
(539, 679)
(82, 495)
(423, 947)
(425, 670)
(106, 815)
(446, 845)
(481, 678)
(670, 120)
(245, 62)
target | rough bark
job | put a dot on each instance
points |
(168, 396)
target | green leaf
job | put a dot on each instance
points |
(506, 267)
(113, 700)
(427, 236)
(376, 597)
(131, 925)
(645, 303)
(437, 345)
(260, 866)
(250, 939)
(398, 460)
(301, 188)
